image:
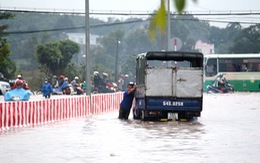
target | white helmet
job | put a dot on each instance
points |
(96, 72)
(126, 75)
(105, 74)
(220, 75)
(76, 78)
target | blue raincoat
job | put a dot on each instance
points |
(63, 86)
(24, 95)
(46, 89)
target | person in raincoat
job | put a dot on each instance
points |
(47, 89)
(63, 87)
(18, 94)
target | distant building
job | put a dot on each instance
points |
(204, 47)
(80, 39)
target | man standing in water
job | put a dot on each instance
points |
(126, 103)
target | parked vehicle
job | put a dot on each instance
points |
(169, 85)
(10, 81)
(4, 87)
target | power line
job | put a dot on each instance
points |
(121, 23)
(72, 28)
(140, 13)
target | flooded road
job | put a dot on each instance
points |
(227, 131)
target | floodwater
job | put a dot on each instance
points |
(227, 131)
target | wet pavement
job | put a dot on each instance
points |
(227, 131)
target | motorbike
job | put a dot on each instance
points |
(111, 86)
(77, 90)
(226, 88)
(108, 87)
(63, 91)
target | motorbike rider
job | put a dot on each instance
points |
(121, 82)
(23, 95)
(61, 80)
(55, 82)
(97, 79)
(19, 77)
(75, 82)
(107, 85)
(126, 81)
(63, 87)
(219, 82)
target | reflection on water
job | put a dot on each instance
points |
(228, 131)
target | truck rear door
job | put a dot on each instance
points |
(189, 82)
(159, 82)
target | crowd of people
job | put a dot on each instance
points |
(21, 92)
(62, 85)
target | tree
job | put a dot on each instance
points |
(109, 45)
(129, 66)
(7, 67)
(56, 55)
(247, 41)
(137, 41)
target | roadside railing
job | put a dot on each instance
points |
(31, 113)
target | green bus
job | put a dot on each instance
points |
(241, 70)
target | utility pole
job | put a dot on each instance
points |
(87, 39)
(168, 26)
(116, 66)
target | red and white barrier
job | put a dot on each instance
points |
(31, 113)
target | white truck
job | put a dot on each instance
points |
(169, 85)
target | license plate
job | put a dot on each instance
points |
(172, 115)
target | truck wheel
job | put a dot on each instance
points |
(181, 115)
(143, 116)
(137, 115)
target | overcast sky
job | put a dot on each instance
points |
(135, 5)
(142, 5)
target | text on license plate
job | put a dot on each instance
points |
(172, 115)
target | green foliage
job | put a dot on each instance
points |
(129, 66)
(105, 56)
(72, 70)
(6, 15)
(7, 67)
(247, 41)
(56, 55)
(180, 4)
(134, 38)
